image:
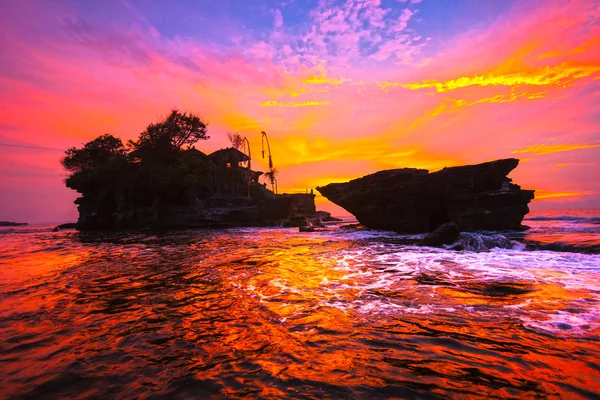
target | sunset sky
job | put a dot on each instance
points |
(343, 88)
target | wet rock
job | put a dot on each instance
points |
(323, 216)
(296, 222)
(475, 197)
(498, 289)
(70, 225)
(433, 279)
(352, 226)
(447, 233)
(481, 242)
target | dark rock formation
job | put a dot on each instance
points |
(162, 181)
(479, 242)
(475, 197)
(189, 190)
(69, 225)
(329, 218)
(298, 221)
(446, 233)
(114, 211)
(10, 223)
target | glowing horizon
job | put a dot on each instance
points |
(343, 88)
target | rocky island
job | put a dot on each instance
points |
(162, 181)
(474, 197)
(10, 223)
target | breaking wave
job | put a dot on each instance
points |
(478, 242)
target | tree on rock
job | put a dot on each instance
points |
(94, 154)
(177, 132)
(237, 140)
(93, 161)
(104, 168)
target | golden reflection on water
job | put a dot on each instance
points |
(272, 314)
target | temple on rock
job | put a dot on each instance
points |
(233, 158)
(229, 157)
(223, 191)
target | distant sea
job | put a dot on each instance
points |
(274, 313)
(569, 230)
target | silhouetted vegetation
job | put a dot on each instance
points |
(271, 175)
(237, 140)
(162, 162)
(162, 141)
(95, 163)
(161, 180)
(100, 151)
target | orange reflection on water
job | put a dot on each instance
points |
(275, 313)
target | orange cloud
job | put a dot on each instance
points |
(576, 164)
(544, 194)
(561, 74)
(302, 150)
(323, 79)
(450, 105)
(541, 149)
(385, 85)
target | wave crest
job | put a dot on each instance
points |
(478, 242)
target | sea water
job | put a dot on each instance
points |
(274, 313)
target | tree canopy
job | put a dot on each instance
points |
(95, 154)
(166, 167)
(177, 132)
(237, 140)
(167, 171)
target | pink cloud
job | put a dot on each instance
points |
(277, 19)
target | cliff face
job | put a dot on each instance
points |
(119, 210)
(475, 197)
(179, 189)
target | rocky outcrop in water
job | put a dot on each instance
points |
(10, 223)
(478, 242)
(118, 210)
(475, 197)
(162, 181)
(446, 233)
(189, 190)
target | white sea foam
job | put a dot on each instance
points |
(565, 323)
(378, 277)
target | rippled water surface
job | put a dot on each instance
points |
(273, 313)
(563, 230)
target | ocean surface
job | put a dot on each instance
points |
(273, 313)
